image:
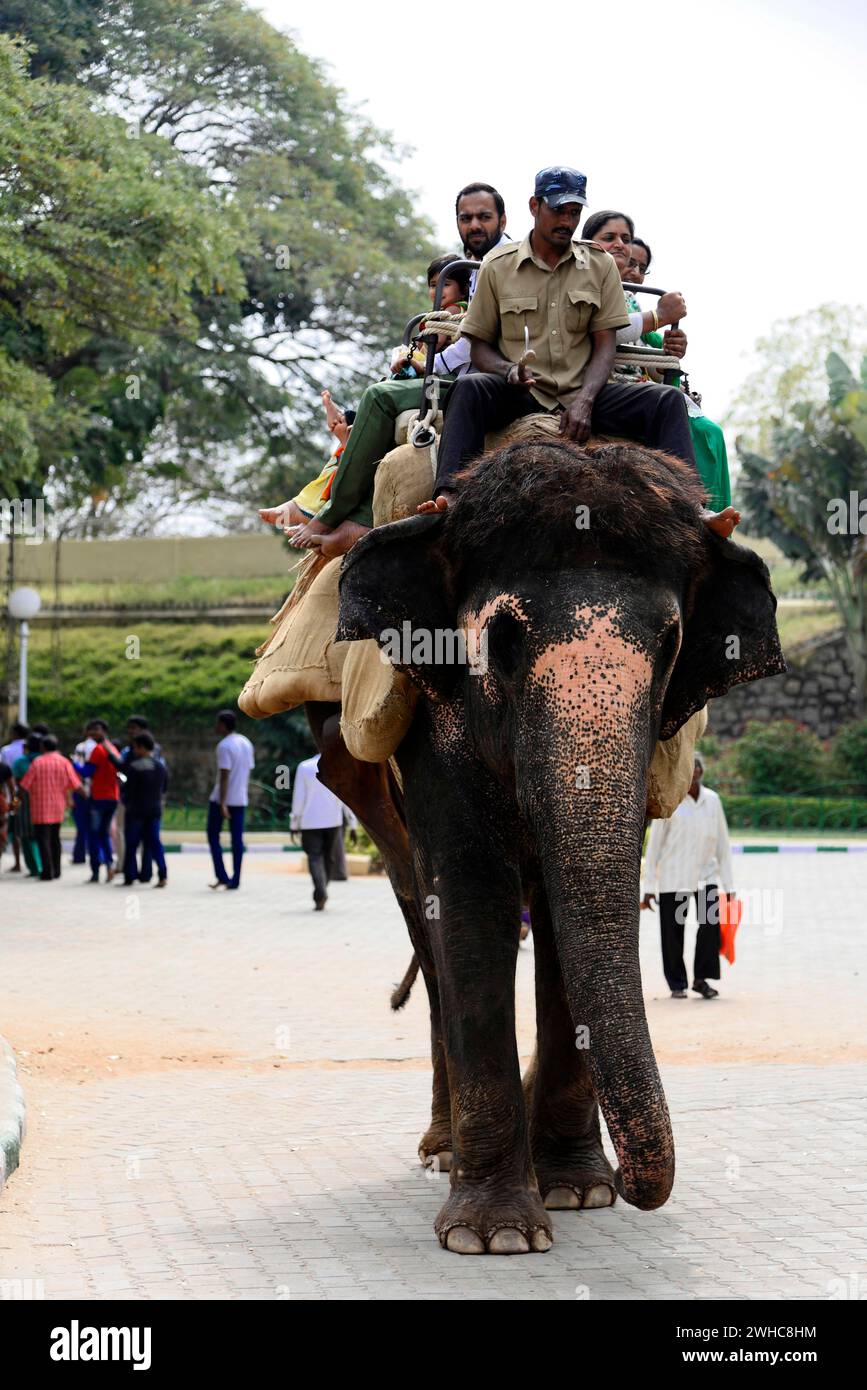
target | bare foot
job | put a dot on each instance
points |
(338, 541)
(302, 536)
(289, 514)
(723, 523)
(440, 504)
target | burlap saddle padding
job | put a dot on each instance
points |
(301, 661)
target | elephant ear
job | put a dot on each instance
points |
(729, 635)
(394, 588)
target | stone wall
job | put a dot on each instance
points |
(817, 690)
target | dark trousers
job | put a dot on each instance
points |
(101, 815)
(143, 830)
(673, 909)
(81, 818)
(48, 839)
(481, 402)
(318, 845)
(236, 830)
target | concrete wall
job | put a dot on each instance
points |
(243, 557)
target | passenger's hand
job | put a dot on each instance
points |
(575, 420)
(648, 901)
(353, 837)
(671, 307)
(674, 341)
(520, 375)
(224, 810)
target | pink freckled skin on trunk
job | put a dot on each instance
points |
(594, 684)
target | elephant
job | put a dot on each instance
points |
(566, 611)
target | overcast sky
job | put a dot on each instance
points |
(731, 132)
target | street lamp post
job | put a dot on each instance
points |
(24, 604)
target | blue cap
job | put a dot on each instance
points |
(558, 186)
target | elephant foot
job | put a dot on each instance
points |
(583, 1182)
(435, 1148)
(474, 1223)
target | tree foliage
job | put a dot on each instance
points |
(187, 202)
(807, 492)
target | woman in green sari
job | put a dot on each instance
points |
(615, 233)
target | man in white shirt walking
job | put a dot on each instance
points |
(235, 758)
(318, 814)
(689, 855)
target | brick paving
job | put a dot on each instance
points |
(221, 1105)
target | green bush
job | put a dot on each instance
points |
(849, 756)
(795, 812)
(780, 758)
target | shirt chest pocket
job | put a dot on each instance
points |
(515, 313)
(580, 307)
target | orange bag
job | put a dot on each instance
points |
(730, 913)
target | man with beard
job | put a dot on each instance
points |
(481, 221)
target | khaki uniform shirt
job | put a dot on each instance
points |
(560, 307)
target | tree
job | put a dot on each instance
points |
(806, 493)
(788, 366)
(323, 265)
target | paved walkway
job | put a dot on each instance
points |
(222, 1105)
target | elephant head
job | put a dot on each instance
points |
(597, 614)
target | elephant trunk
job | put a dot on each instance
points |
(591, 865)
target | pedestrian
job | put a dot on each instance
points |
(10, 753)
(16, 745)
(80, 803)
(7, 792)
(24, 831)
(318, 814)
(689, 856)
(102, 766)
(49, 782)
(229, 799)
(143, 796)
(136, 724)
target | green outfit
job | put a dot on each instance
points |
(23, 823)
(708, 440)
(370, 439)
(712, 461)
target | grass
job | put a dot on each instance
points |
(799, 622)
(188, 590)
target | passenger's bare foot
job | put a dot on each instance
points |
(289, 514)
(723, 523)
(302, 536)
(338, 541)
(439, 504)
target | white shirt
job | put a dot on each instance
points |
(234, 755)
(10, 751)
(314, 807)
(691, 848)
(456, 357)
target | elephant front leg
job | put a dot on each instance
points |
(565, 1138)
(494, 1204)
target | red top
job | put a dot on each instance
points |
(104, 785)
(47, 779)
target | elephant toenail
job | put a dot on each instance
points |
(599, 1196)
(541, 1241)
(562, 1199)
(508, 1242)
(462, 1241)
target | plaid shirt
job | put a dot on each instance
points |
(47, 779)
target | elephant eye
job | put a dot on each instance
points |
(505, 636)
(669, 645)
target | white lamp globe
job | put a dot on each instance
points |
(24, 604)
